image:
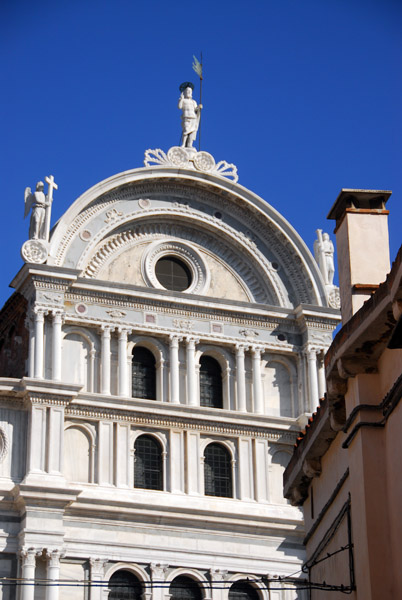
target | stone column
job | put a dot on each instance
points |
(312, 378)
(240, 378)
(39, 342)
(174, 370)
(97, 574)
(92, 355)
(56, 345)
(322, 384)
(28, 565)
(31, 351)
(123, 364)
(192, 391)
(158, 575)
(52, 574)
(257, 383)
(105, 358)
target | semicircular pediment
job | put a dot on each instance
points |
(264, 254)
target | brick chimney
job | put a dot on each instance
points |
(362, 245)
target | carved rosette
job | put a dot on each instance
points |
(189, 158)
(34, 251)
(334, 298)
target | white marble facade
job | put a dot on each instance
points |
(255, 305)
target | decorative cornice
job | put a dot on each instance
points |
(203, 426)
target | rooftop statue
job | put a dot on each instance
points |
(191, 114)
(324, 255)
(40, 207)
(35, 249)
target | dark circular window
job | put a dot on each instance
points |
(173, 273)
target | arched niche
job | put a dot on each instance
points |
(79, 358)
(279, 387)
(78, 454)
(279, 461)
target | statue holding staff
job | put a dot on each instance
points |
(191, 114)
(40, 207)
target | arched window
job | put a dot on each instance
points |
(241, 590)
(124, 585)
(148, 463)
(217, 471)
(210, 382)
(184, 588)
(144, 373)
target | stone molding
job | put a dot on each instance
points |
(185, 326)
(199, 424)
(273, 234)
(194, 231)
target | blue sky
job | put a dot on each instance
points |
(304, 96)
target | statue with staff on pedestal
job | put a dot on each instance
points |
(40, 206)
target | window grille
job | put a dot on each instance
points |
(241, 590)
(210, 382)
(124, 585)
(173, 274)
(184, 588)
(148, 463)
(144, 373)
(217, 471)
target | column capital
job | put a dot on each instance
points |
(107, 329)
(217, 574)
(57, 313)
(241, 348)
(175, 339)
(123, 331)
(53, 556)
(257, 350)
(28, 556)
(311, 351)
(158, 570)
(97, 566)
(39, 312)
(192, 340)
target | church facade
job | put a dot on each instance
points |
(159, 355)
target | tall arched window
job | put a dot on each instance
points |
(184, 588)
(217, 471)
(148, 467)
(144, 373)
(241, 590)
(210, 382)
(124, 585)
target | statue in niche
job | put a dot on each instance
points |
(40, 207)
(324, 255)
(191, 113)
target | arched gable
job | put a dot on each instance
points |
(238, 235)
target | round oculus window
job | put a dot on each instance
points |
(173, 274)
